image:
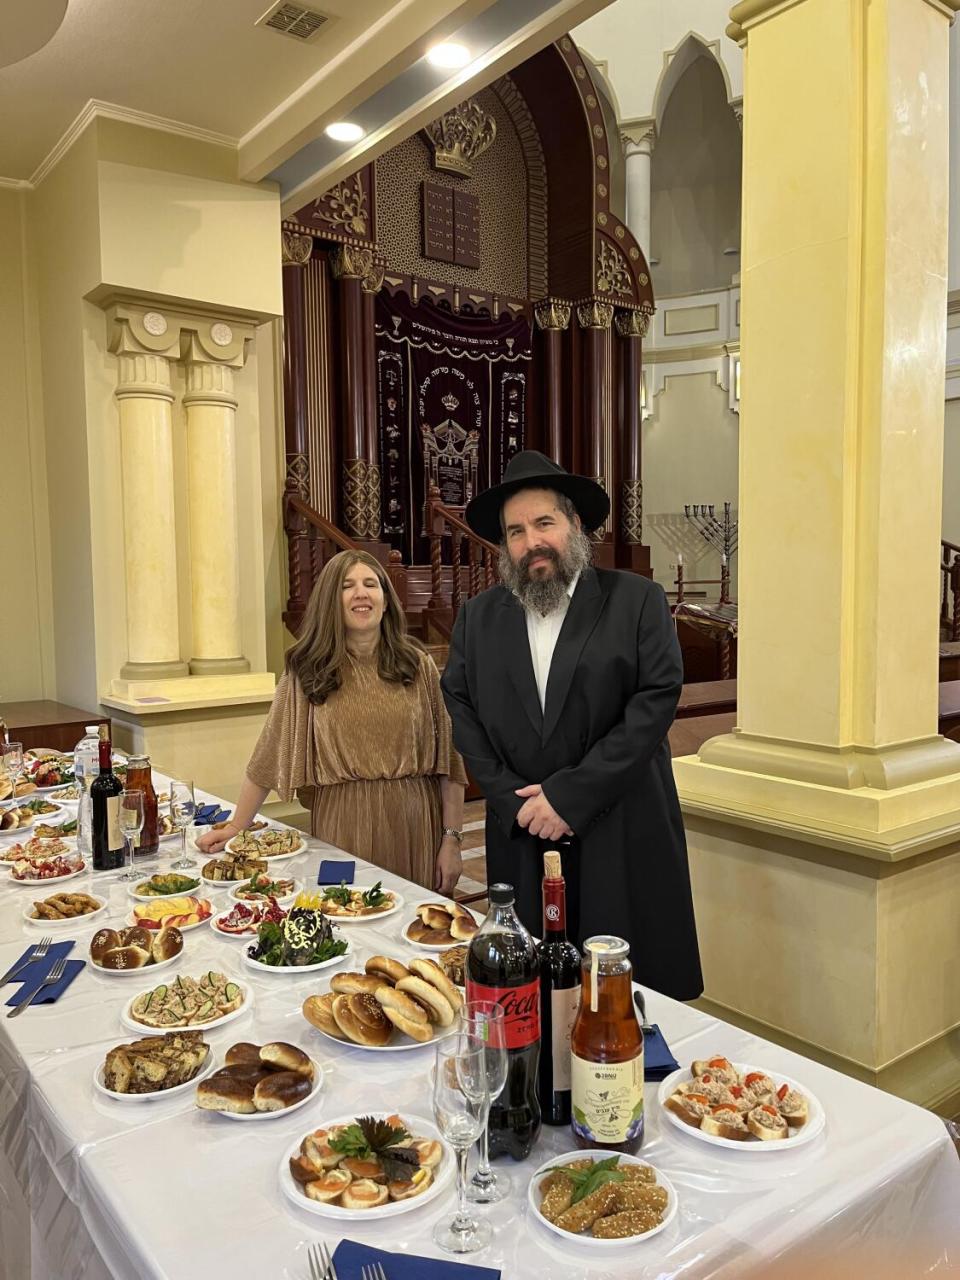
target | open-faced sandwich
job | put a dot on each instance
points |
(268, 843)
(344, 903)
(186, 1002)
(724, 1102)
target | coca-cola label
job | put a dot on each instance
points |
(521, 1010)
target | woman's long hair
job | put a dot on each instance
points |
(320, 653)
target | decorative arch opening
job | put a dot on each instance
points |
(678, 61)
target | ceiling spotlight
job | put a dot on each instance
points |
(344, 131)
(448, 56)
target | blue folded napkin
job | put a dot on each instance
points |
(333, 871)
(349, 1257)
(208, 814)
(658, 1061)
(37, 970)
(54, 991)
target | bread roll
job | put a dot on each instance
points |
(279, 1090)
(167, 944)
(426, 907)
(125, 958)
(362, 1195)
(400, 1002)
(434, 918)
(463, 928)
(419, 932)
(361, 1019)
(136, 936)
(352, 983)
(103, 940)
(286, 1057)
(431, 972)
(318, 1011)
(224, 1093)
(457, 909)
(243, 1053)
(384, 967)
(411, 1027)
(437, 1005)
(248, 1072)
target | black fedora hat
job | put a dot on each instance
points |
(533, 470)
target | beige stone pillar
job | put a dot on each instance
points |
(210, 354)
(142, 344)
(639, 137)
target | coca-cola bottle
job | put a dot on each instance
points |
(559, 995)
(502, 966)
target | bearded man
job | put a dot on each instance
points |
(562, 684)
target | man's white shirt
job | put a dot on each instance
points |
(543, 634)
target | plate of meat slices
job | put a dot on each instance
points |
(606, 1202)
(741, 1107)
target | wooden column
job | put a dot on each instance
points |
(552, 318)
(350, 266)
(631, 328)
(370, 286)
(296, 250)
(594, 318)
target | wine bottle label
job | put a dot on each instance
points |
(563, 1014)
(607, 1099)
(114, 835)
(521, 1010)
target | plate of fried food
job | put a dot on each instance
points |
(389, 1007)
(359, 903)
(229, 868)
(185, 913)
(260, 1082)
(208, 1001)
(169, 884)
(439, 925)
(262, 887)
(121, 952)
(605, 1202)
(269, 843)
(741, 1107)
(64, 909)
(378, 1165)
(154, 1067)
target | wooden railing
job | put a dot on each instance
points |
(950, 588)
(441, 522)
(311, 541)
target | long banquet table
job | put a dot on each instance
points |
(91, 1188)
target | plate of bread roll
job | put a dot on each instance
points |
(439, 925)
(389, 1007)
(121, 952)
(258, 1082)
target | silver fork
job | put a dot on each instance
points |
(321, 1264)
(38, 953)
(373, 1272)
(55, 974)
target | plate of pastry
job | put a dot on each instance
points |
(374, 1166)
(741, 1107)
(64, 910)
(261, 1082)
(229, 868)
(270, 843)
(358, 903)
(122, 952)
(389, 1007)
(605, 1202)
(169, 884)
(304, 941)
(439, 925)
(209, 1001)
(154, 1067)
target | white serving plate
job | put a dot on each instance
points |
(46, 753)
(207, 1069)
(58, 815)
(75, 922)
(145, 970)
(233, 937)
(32, 883)
(272, 857)
(433, 946)
(796, 1138)
(294, 969)
(315, 1089)
(184, 928)
(380, 915)
(65, 799)
(420, 1128)
(158, 897)
(245, 1006)
(400, 1046)
(287, 897)
(628, 1242)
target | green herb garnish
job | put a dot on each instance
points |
(373, 897)
(338, 893)
(370, 1138)
(586, 1181)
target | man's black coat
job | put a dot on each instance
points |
(600, 753)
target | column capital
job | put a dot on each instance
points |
(373, 280)
(592, 313)
(632, 322)
(350, 262)
(639, 137)
(142, 328)
(295, 248)
(552, 313)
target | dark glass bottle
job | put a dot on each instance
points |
(559, 996)
(105, 792)
(140, 778)
(502, 967)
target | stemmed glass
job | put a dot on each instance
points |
(482, 1024)
(183, 808)
(13, 763)
(461, 1102)
(131, 824)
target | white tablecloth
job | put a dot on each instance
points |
(91, 1188)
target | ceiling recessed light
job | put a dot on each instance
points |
(344, 131)
(449, 56)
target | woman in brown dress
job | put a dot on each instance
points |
(359, 731)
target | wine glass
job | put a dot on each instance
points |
(482, 1024)
(13, 763)
(461, 1102)
(131, 824)
(183, 808)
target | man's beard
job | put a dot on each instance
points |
(545, 594)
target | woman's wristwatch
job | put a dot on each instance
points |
(454, 833)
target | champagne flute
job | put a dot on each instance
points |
(13, 763)
(131, 824)
(483, 1025)
(183, 809)
(461, 1103)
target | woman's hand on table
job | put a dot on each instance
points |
(449, 866)
(213, 841)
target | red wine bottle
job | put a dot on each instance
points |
(105, 792)
(559, 996)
